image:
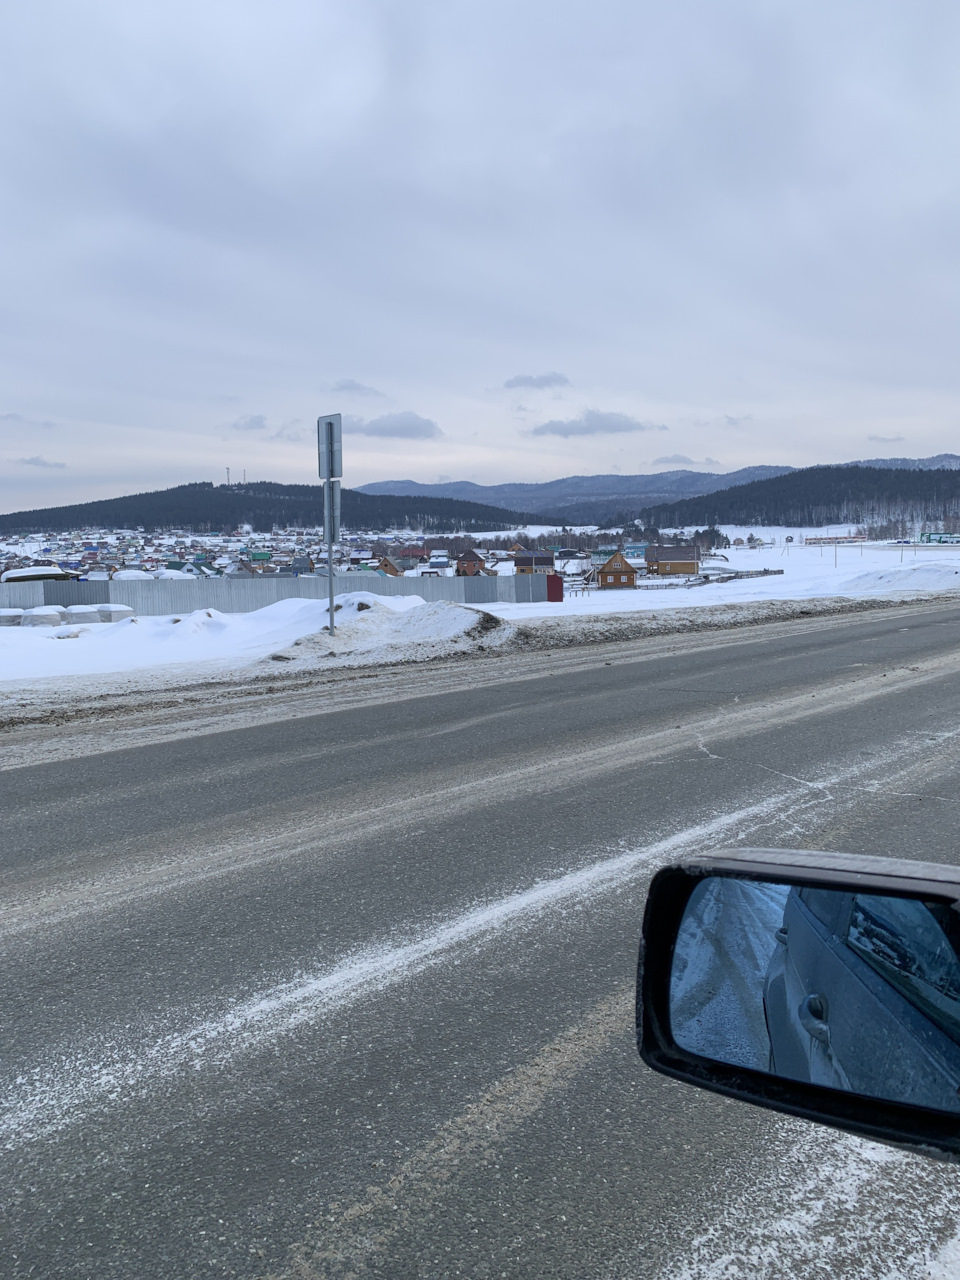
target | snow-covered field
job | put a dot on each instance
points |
(873, 570)
(374, 629)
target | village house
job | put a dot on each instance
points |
(617, 572)
(534, 562)
(669, 561)
(470, 564)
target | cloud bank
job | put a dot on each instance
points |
(396, 426)
(706, 212)
(18, 420)
(592, 422)
(538, 381)
(351, 387)
(40, 462)
(681, 459)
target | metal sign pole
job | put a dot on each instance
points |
(328, 530)
(330, 461)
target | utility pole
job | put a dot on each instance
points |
(330, 462)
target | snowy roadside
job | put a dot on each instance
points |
(383, 630)
(212, 665)
(373, 631)
(368, 626)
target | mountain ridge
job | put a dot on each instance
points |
(262, 505)
(581, 499)
(570, 495)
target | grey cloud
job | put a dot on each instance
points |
(397, 426)
(351, 387)
(18, 420)
(290, 431)
(538, 381)
(39, 462)
(886, 439)
(252, 422)
(592, 423)
(681, 459)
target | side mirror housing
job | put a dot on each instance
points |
(823, 985)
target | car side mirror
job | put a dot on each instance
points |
(823, 985)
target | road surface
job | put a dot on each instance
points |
(347, 992)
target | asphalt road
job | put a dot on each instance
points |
(350, 994)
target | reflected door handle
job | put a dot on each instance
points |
(813, 1018)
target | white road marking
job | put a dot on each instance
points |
(105, 1073)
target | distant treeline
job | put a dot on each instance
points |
(863, 496)
(205, 508)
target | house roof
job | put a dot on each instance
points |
(618, 561)
(688, 552)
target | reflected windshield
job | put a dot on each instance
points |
(905, 942)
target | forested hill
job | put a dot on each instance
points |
(854, 495)
(223, 508)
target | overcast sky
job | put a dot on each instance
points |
(507, 239)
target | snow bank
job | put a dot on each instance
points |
(373, 629)
(392, 628)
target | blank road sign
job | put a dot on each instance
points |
(330, 446)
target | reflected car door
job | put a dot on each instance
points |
(836, 1018)
(796, 1002)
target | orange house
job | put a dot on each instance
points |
(617, 572)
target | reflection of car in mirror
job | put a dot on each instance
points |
(824, 985)
(887, 967)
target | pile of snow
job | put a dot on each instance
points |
(393, 628)
(37, 573)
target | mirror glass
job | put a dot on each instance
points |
(857, 991)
